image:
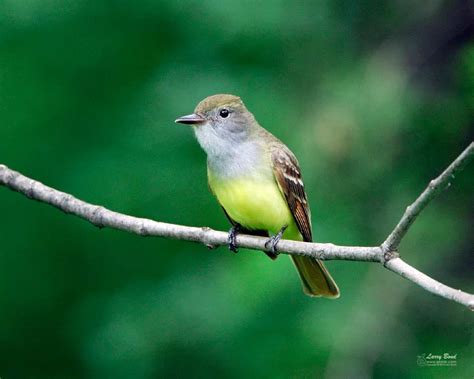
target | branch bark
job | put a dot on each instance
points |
(386, 254)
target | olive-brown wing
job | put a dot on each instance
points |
(288, 176)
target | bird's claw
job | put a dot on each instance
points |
(272, 243)
(232, 239)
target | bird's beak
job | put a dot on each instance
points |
(190, 119)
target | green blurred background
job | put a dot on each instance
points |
(374, 97)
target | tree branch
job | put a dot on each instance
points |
(386, 254)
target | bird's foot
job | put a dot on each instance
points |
(272, 243)
(232, 238)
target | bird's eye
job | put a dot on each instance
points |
(224, 113)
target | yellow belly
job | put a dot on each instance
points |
(255, 205)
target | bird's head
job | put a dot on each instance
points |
(220, 121)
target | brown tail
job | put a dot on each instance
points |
(316, 279)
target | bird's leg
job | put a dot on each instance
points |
(232, 238)
(272, 243)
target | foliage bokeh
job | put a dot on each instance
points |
(375, 98)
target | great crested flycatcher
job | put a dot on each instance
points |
(257, 181)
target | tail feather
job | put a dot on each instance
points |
(315, 278)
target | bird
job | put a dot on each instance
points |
(258, 183)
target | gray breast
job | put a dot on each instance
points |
(246, 159)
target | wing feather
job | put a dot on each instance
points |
(288, 175)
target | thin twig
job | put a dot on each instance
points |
(434, 188)
(385, 254)
(408, 272)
